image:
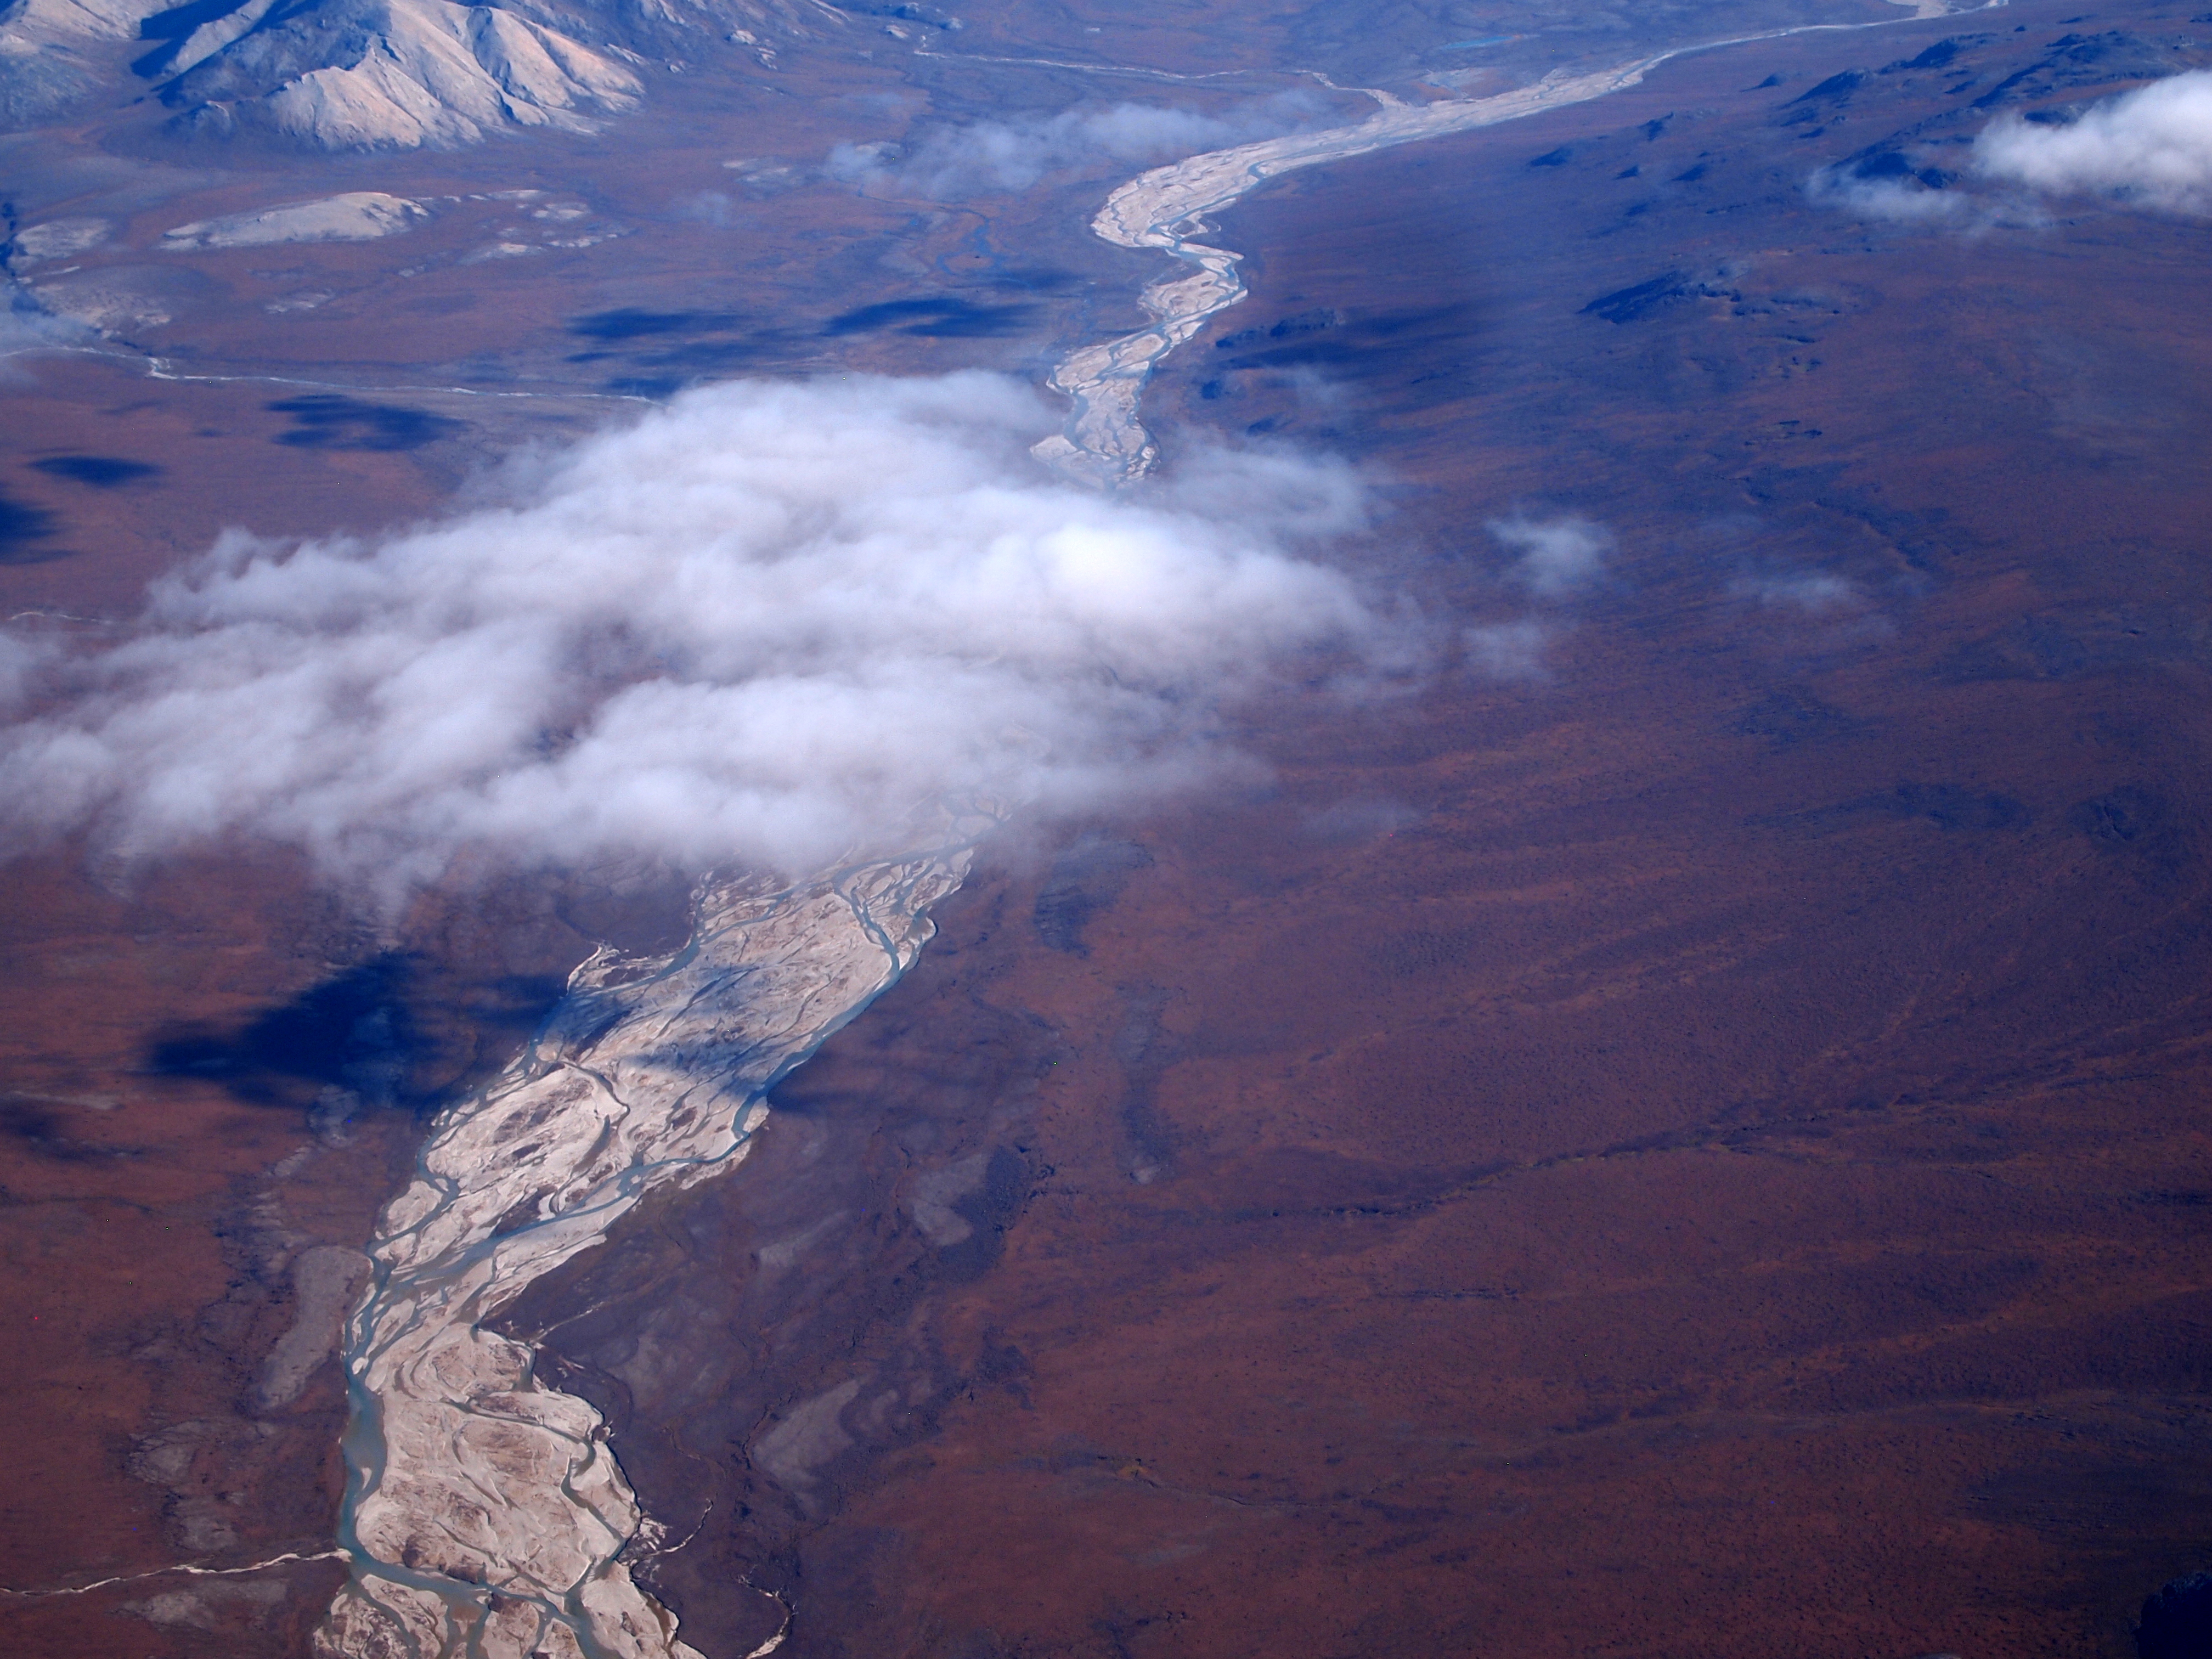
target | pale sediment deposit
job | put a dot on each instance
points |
(360, 216)
(485, 1515)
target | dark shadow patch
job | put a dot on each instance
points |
(22, 527)
(2049, 648)
(1946, 805)
(1411, 359)
(1788, 717)
(1626, 305)
(708, 356)
(171, 28)
(2133, 824)
(1554, 158)
(632, 323)
(37, 1127)
(1938, 56)
(363, 1040)
(2127, 816)
(1834, 88)
(1289, 328)
(941, 318)
(100, 471)
(2177, 1621)
(1086, 879)
(330, 421)
(1891, 165)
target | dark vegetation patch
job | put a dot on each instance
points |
(941, 317)
(991, 1209)
(22, 528)
(330, 421)
(1085, 880)
(100, 471)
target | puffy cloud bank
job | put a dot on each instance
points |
(983, 158)
(765, 624)
(2153, 145)
(2149, 147)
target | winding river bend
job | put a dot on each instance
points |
(1105, 441)
(485, 1516)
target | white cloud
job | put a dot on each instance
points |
(1899, 200)
(25, 326)
(1508, 651)
(1555, 557)
(761, 625)
(949, 164)
(1803, 591)
(2153, 146)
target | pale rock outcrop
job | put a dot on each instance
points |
(360, 216)
(395, 74)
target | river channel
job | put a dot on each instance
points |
(485, 1515)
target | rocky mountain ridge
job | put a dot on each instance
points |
(373, 73)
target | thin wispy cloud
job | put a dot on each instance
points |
(1508, 651)
(1000, 157)
(1553, 558)
(1811, 592)
(762, 625)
